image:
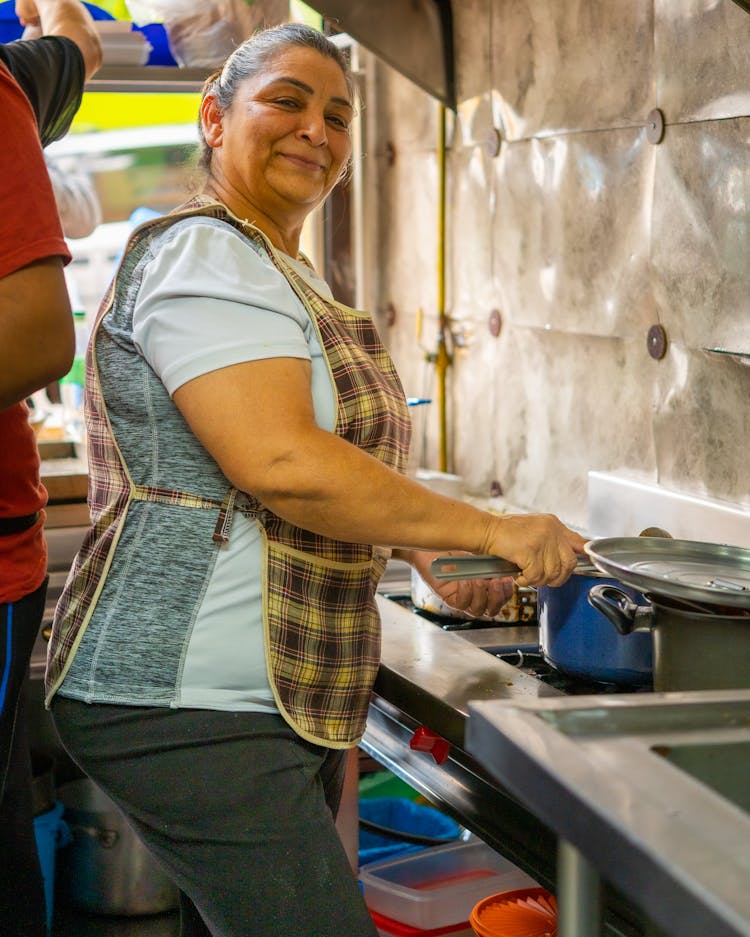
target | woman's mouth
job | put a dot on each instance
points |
(303, 163)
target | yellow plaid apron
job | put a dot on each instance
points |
(321, 625)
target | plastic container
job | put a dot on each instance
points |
(51, 832)
(385, 784)
(439, 886)
(72, 384)
(402, 816)
(387, 927)
(156, 35)
(527, 912)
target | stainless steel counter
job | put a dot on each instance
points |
(427, 679)
(433, 674)
(651, 790)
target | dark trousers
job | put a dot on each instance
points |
(22, 910)
(238, 809)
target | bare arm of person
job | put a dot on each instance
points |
(37, 329)
(68, 18)
(257, 421)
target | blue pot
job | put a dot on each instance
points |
(581, 641)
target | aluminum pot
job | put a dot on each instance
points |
(579, 640)
(696, 647)
(106, 869)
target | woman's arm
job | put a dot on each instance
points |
(257, 421)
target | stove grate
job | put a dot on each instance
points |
(531, 661)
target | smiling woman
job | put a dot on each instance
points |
(213, 654)
(276, 139)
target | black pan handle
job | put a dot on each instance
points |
(617, 606)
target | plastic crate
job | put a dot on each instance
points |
(440, 885)
(385, 784)
(387, 927)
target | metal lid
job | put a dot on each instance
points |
(711, 573)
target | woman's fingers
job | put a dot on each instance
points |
(480, 598)
(541, 545)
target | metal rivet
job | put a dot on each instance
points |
(655, 126)
(495, 322)
(496, 489)
(493, 142)
(656, 342)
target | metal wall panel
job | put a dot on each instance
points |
(700, 239)
(583, 232)
(573, 65)
(572, 231)
(701, 59)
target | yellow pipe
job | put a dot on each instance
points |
(442, 358)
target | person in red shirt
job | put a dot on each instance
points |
(41, 83)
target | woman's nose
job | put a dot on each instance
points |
(313, 129)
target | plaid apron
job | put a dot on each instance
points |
(322, 632)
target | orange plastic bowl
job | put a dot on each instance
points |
(527, 912)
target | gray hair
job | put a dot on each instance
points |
(252, 57)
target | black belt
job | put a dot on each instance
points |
(17, 525)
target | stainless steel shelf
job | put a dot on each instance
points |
(148, 78)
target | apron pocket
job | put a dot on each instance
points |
(323, 641)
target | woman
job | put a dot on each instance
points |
(247, 436)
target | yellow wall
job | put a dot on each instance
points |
(110, 111)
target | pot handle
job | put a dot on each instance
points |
(620, 609)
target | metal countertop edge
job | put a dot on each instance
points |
(556, 779)
(432, 674)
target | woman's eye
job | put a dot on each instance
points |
(287, 102)
(338, 121)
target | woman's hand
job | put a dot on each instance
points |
(480, 598)
(545, 550)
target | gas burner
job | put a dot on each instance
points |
(530, 660)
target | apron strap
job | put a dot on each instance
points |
(233, 500)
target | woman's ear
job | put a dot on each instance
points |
(211, 117)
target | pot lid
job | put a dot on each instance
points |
(711, 573)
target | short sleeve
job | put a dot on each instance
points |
(29, 226)
(51, 72)
(208, 300)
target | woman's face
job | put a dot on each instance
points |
(283, 143)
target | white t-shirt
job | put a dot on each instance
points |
(193, 316)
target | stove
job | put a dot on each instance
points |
(517, 646)
(432, 670)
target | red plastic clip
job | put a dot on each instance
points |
(425, 740)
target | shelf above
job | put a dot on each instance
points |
(148, 78)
